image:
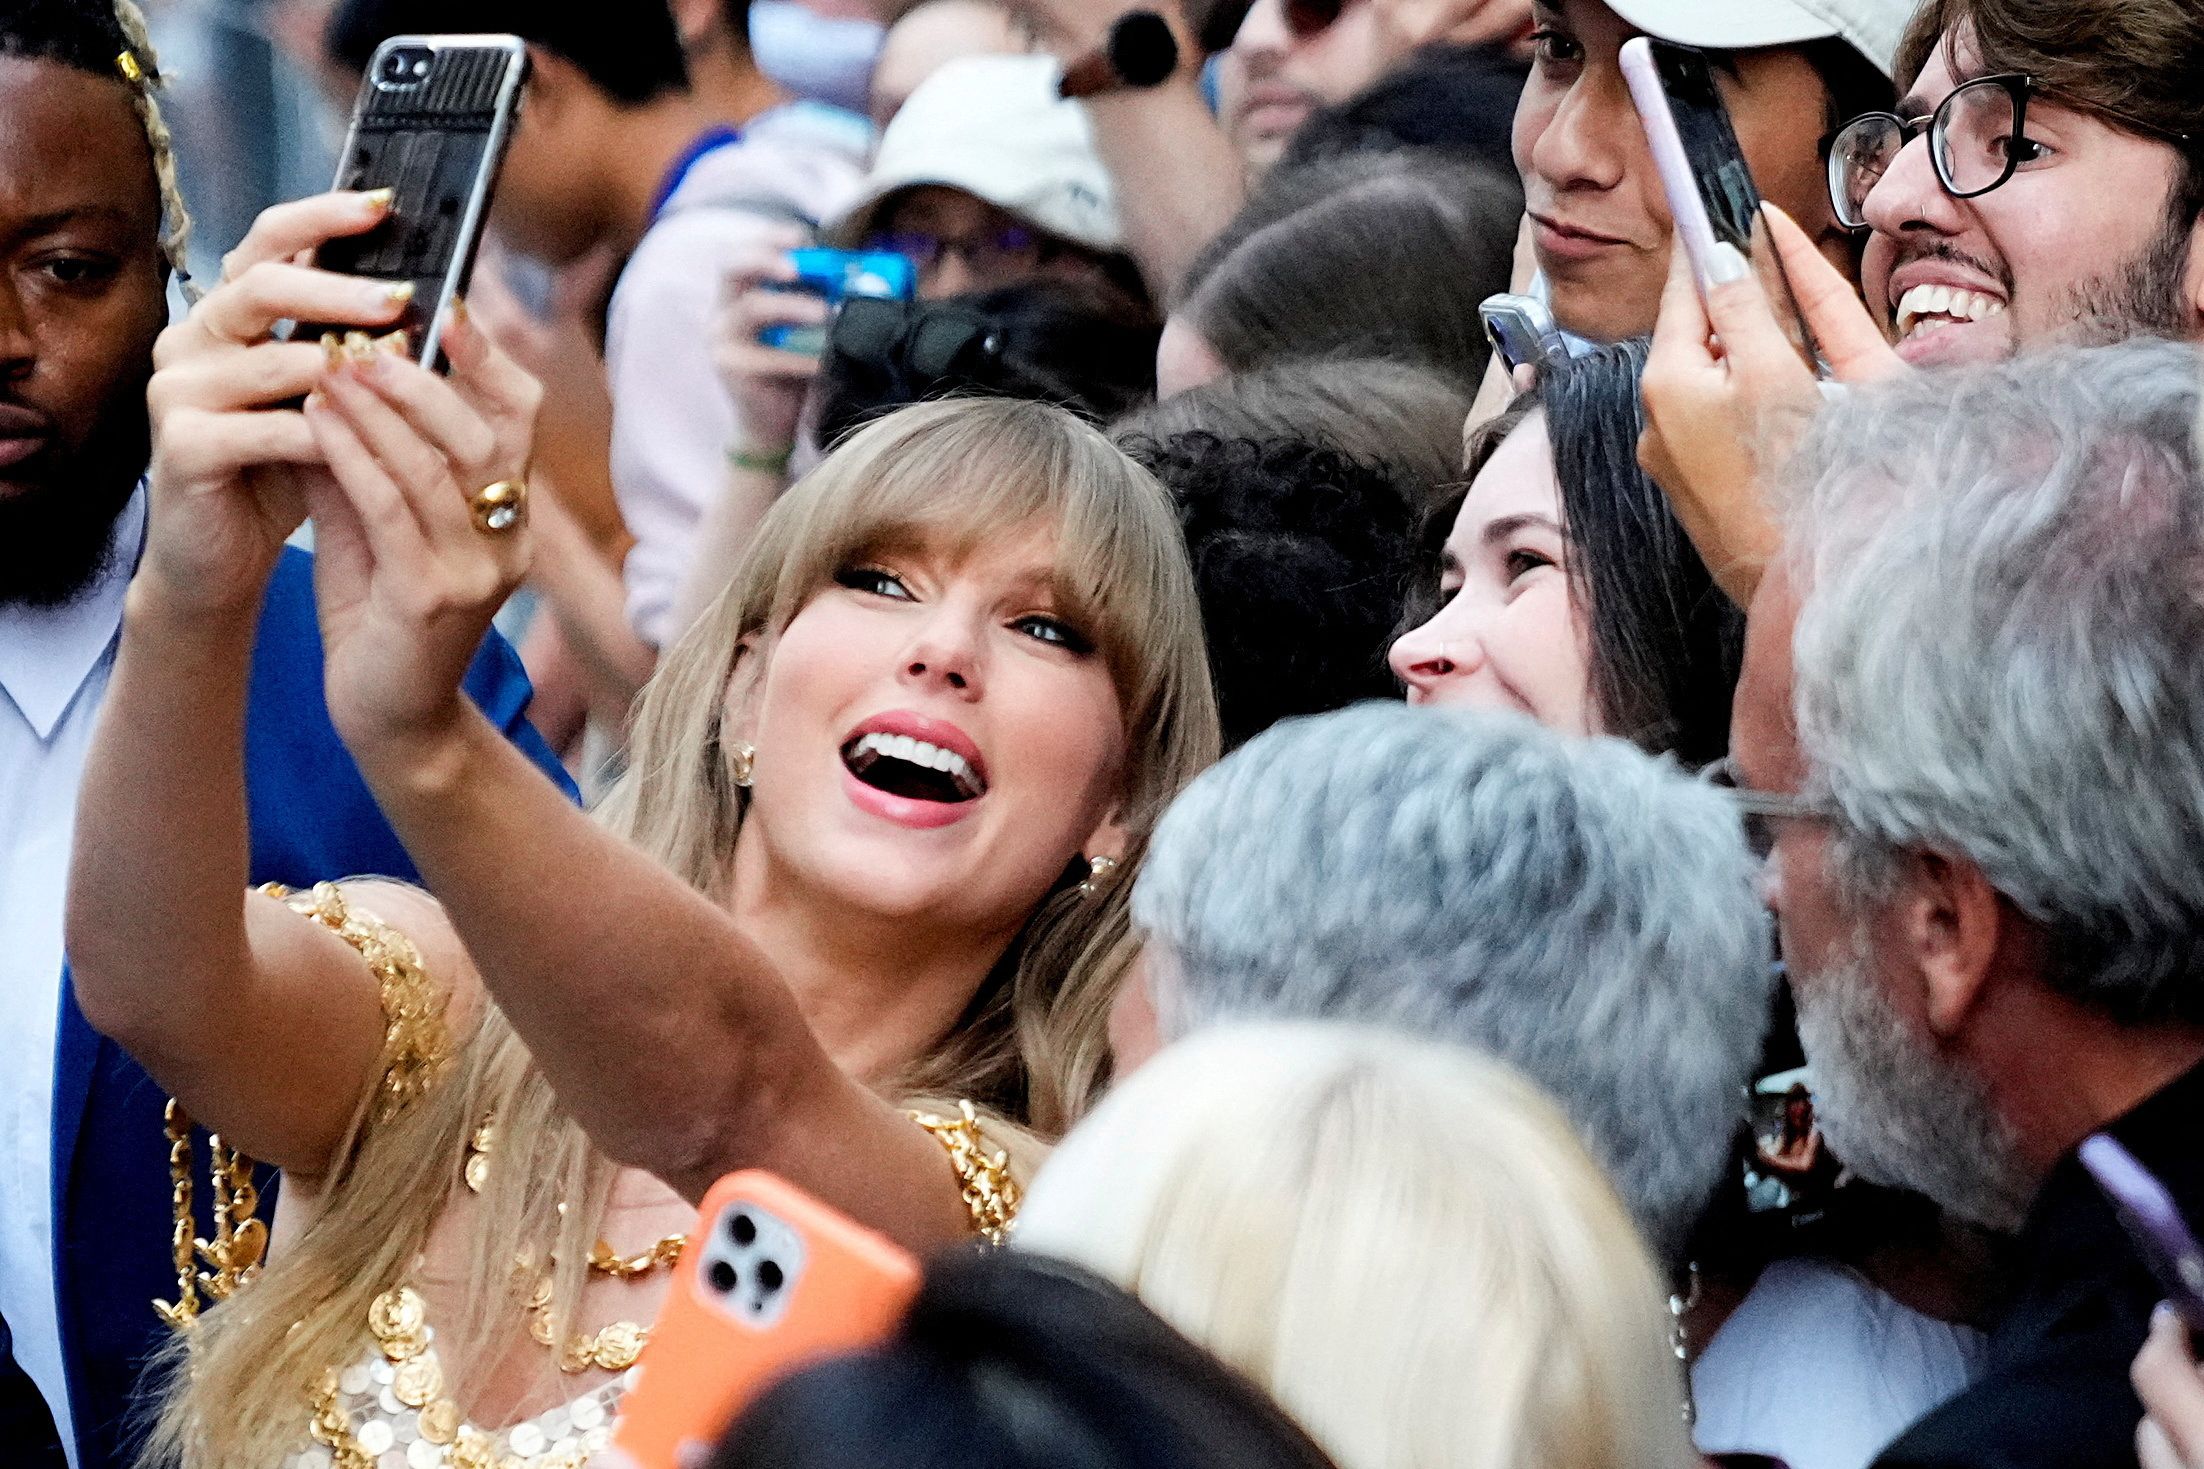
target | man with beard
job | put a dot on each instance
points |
(1972, 717)
(91, 225)
(2059, 194)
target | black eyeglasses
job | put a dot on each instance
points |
(1977, 141)
(1760, 810)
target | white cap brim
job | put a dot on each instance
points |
(1871, 27)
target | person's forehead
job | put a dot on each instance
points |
(1956, 59)
(71, 144)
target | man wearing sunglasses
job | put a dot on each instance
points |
(1291, 57)
(2041, 180)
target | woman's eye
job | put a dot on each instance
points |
(873, 580)
(1522, 562)
(1552, 48)
(1051, 630)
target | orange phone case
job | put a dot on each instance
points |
(771, 1279)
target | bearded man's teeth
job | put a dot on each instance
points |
(1928, 307)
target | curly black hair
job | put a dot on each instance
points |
(1301, 560)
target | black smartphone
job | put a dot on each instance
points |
(432, 122)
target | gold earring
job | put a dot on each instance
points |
(1098, 871)
(742, 762)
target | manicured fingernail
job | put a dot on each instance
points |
(380, 199)
(359, 347)
(394, 344)
(399, 294)
(1729, 264)
(332, 348)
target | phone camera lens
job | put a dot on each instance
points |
(408, 66)
(724, 1277)
(769, 1277)
(742, 1229)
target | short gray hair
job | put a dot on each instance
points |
(2000, 655)
(1576, 907)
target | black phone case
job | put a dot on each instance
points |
(438, 142)
(1718, 161)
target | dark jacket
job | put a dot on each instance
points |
(2055, 1392)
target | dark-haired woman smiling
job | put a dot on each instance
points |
(1566, 588)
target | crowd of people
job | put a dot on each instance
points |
(1352, 900)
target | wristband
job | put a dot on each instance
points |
(760, 463)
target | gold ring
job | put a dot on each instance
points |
(501, 507)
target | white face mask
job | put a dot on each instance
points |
(825, 58)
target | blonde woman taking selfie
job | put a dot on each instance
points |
(860, 872)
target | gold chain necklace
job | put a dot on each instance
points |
(611, 1348)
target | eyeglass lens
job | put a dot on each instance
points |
(1973, 140)
(985, 254)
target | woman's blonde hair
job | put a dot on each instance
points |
(1032, 1046)
(1402, 1240)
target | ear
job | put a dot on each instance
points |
(1951, 922)
(2192, 280)
(696, 19)
(555, 87)
(1110, 839)
(738, 713)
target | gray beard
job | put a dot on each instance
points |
(1898, 1114)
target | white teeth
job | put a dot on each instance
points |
(917, 752)
(1950, 303)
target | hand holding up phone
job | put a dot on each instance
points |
(1727, 396)
(768, 383)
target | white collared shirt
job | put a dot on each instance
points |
(54, 667)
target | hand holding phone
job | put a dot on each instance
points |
(834, 276)
(1523, 333)
(1711, 195)
(432, 122)
(2152, 1219)
(771, 1280)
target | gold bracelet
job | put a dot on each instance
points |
(990, 1192)
(416, 1042)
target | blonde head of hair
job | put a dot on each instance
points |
(1031, 1048)
(1402, 1240)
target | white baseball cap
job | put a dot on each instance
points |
(1871, 27)
(994, 127)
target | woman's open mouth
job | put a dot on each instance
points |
(912, 769)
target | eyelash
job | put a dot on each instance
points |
(92, 271)
(1053, 631)
(1522, 563)
(1545, 42)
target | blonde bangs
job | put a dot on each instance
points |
(962, 474)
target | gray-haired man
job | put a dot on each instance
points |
(1974, 695)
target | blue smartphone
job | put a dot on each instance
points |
(2154, 1222)
(1522, 332)
(834, 276)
